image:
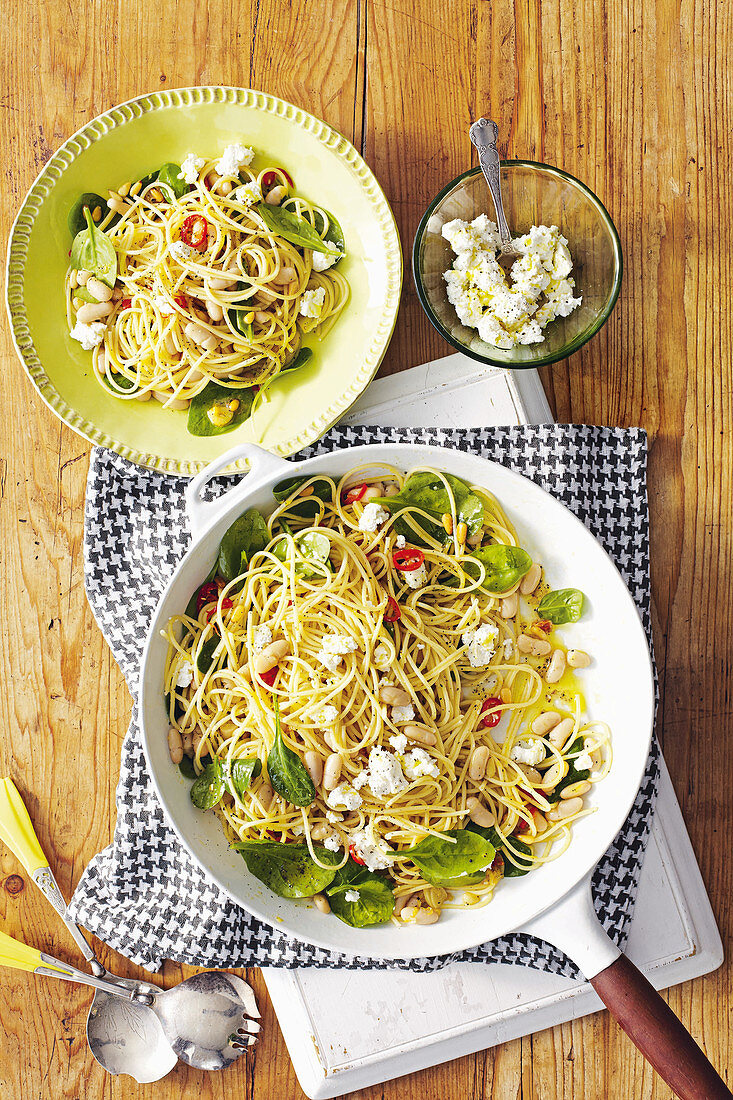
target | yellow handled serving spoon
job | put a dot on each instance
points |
(124, 1035)
(207, 1020)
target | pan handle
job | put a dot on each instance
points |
(262, 465)
(646, 1018)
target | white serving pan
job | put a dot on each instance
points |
(554, 901)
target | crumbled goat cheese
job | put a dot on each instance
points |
(361, 779)
(248, 193)
(261, 638)
(89, 336)
(334, 648)
(418, 763)
(508, 649)
(481, 644)
(327, 715)
(332, 818)
(385, 773)
(584, 762)
(372, 517)
(514, 310)
(190, 168)
(400, 542)
(233, 158)
(381, 657)
(332, 842)
(165, 307)
(352, 895)
(322, 261)
(311, 304)
(402, 714)
(416, 578)
(374, 856)
(344, 797)
(183, 251)
(398, 741)
(528, 752)
(185, 675)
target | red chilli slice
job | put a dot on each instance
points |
(195, 231)
(207, 594)
(355, 493)
(494, 718)
(544, 624)
(356, 858)
(269, 677)
(392, 613)
(126, 303)
(408, 559)
(270, 178)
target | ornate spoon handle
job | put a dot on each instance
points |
(483, 134)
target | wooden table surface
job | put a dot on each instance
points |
(632, 96)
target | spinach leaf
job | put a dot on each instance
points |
(288, 869)
(303, 356)
(178, 709)
(288, 774)
(564, 605)
(505, 566)
(245, 537)
(214, 394)
(334, 234)
(93, 251)
(76, 220)
(574, 775)
(311, 546)
(145, 181)
(186, 768)
(209, 787)
(170, 175)
(441, 862)
(424, 490)
(236, 316)
(494, 837)
(376, 900)
(293, 228)
(192, 605)
(205, 659)
(303, 507)
(242, 774)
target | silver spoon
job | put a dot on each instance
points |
(483, 134)
(124, 1036)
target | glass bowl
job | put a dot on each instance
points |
(533, 194)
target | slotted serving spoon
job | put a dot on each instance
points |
(132, 1027)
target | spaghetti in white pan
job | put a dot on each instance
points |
(199, 282)
(372, 691)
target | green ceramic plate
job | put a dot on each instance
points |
(129, 141)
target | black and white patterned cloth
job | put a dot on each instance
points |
(144, 895)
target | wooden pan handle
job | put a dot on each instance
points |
(653, 1027)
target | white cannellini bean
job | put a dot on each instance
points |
(275, 196)
(82, 276)
(556, 667)
(565, 808)
(427, 916)
(175, 745)
(177, 403)
(284, 276)
(93, 311)
(100, 290)
(265, 794)
(320, 832)
(144, 395)
(561, 732)
(420, 734)
(578, 658)
(537, 647)
(332, 771)
(170, 343)
(478, 762)
(100, 363)
(531, 773)
(545, 722)
(576, 790)
(479, 814)
(372, 493)
(214, 310)
(509, 606)
(223, 281)
(531, 579)
(394, 696)
(270, 656)
(321, 903)
(314, 764)
(262, 318)
(200, 336)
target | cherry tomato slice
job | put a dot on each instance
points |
(356, 492)
(180, 299)
(226, 605)
(544, 624)
(207, 594)
(271, 178)
(494, 718)
(408, 559)
(195, 232)
(356, 858)
(393, 613)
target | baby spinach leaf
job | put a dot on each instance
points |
(494, 837)
(574, 774)
(209, 787)
(76, 220)
(426, 491)
(293, 228)
(205, 659)
(242, 773)
(441, 861)
(145, 181)
(94, 252)
(305, 507)
(170, 175)
(246, 536)
(192, 605)
(236, 316)
(334, 234)
(288, 869)
(505, 566)
(376, 900)
(186, 768)
(311, 546)
(563, 605)
(288, 774)
(214, 394)
(303, 356)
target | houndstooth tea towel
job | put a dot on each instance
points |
(144, 895)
